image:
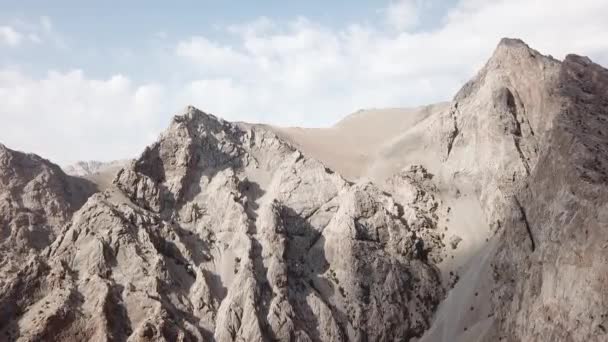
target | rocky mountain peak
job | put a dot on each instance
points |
(510, 49)
(195, 118)
(506, 41)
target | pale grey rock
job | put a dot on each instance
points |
(455, 241)
(551, 260)
(540, 177)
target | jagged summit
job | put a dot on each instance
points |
(193, 113)
(512, 42)
(516, 46)
(11, 155)
(477, 219)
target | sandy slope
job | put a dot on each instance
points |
(100, 173)
(375, 144)
(368, 143)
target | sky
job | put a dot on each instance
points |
(84, 80)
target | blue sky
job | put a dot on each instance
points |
(109, 36)
(100, 80)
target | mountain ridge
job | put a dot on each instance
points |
(431, 231)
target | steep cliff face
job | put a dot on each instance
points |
(36, 200)
(498, 121)
(551, 262)
(479, 219)
(488, 143)
(541, 276)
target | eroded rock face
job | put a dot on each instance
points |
(498, 121)
(544, 193)
(36, 199)
(553, 286)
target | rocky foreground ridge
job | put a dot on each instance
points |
(484, 220)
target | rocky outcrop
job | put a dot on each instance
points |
(36, 199)
(552, 285)
(498, 122)
(540, 177)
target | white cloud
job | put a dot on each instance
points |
(9, 36)
(67, 117)
(403, 14)
(46, 23)
(161, 35)
(34, 38)
(257, 26)
(295, 73)
(303, 73)
(210, 55)
(45, 30)
(36, 32)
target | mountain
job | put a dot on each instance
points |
(93, 167)
(477, 219)
(101, 174)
